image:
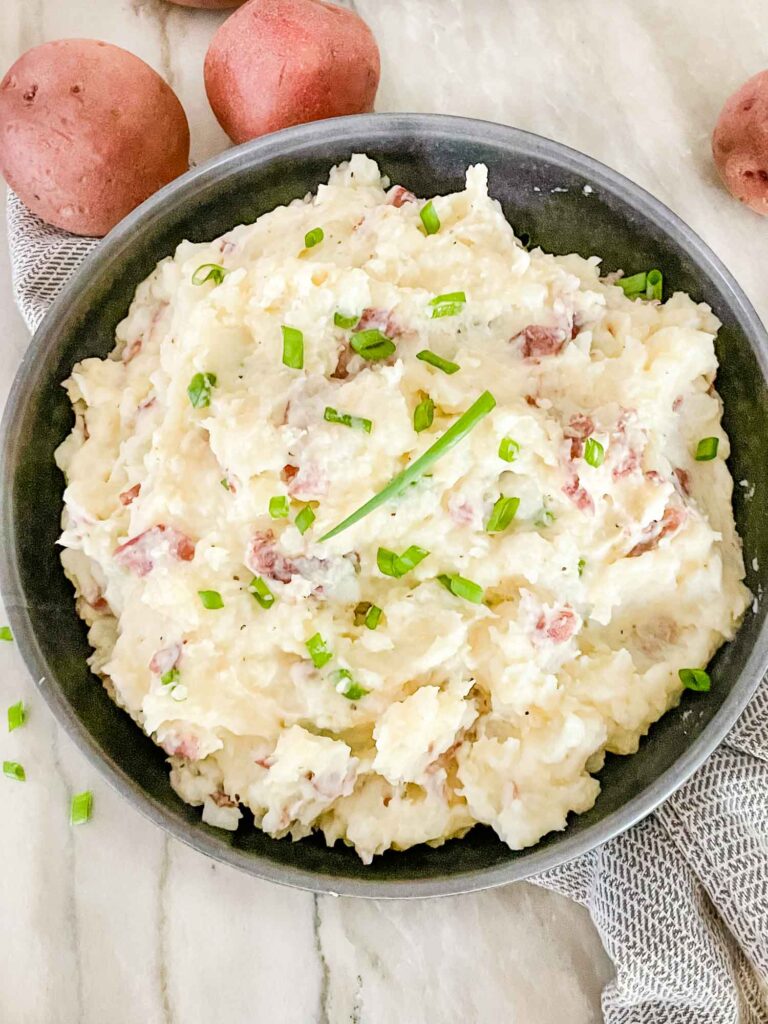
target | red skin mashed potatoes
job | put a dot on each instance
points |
(740, 143)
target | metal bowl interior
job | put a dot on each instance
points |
(565, 202)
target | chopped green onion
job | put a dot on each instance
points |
(695, 679)
(462, 587)
(179, 693)
(6, 634)
(706, 449)
(318, 651)
(345, 321)
(313, 237)
(199, 389)
(654, 285)
(261, 592)
(634, 285)
(545, 517)
(373, 616)
(594, 453)
(361, 610)
(14, 771)
(581, 566)
(437, 361)
(81, 807)
(224, 483)
(278, 507)
(453, 297)
(508, 449)
(391, 564)
(293, 347)
(304, 519)
(450, 304)
(429, 218)
(372, 344)
(455, 433)
(17, 716)
(171, 677)
(209, 272)
(346, 420)
(346, 685)
(504, 512)
(210, 599)
(423, 415)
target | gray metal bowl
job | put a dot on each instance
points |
(542, 187)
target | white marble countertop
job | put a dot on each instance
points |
(116, 922)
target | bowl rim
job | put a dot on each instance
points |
(360, 131)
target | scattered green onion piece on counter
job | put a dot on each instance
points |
(171, 677)
(318, 651)
(210, 599)
(313, 237)
(695, 679)
(345, 321)
(581, 566)
(81, 807)
(634, 285)
(508, 449)
(17, 716)
(654, 285)
(293, 347)
(304, 519)
(209, 272)
(346, 685)
(346, 420)
(429, 218)
(373, 616)
(278, 507)
(372, 344)
(423, 415)
(594, 453)
(261, 592)
(6, 634)
(455, 433)
(14, 771)
(455, 297)
(437, 361)
(706, 449)
(199, 389)
(462, 587)
(504, 511)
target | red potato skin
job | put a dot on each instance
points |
(208, 5)
(87, 132)
(277, 63)
(740, 143)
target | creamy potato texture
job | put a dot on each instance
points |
(620, 567)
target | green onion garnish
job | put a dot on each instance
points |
(372, 344)
(318, 651)
(545, 517)
(171, 677)
(706, 449)
(14, 771)
(210, 599)
(199, 389)
(278, 507)
(391, 564)
(313, 237)
(224, 483)
(581, 565)
(462, 587)
(17, 716)
(594, 453)
(261, 592)
(508, 449)
(346, 420)
(373, 616)
(654, 285)
(345, 321)
(634, 285)
(437, 361)
(503, 513)
(293, 348)
(304, 519)
(81, 807)
(695, 679)
(346, 685)
(423, 415)
(429, 218)
(440, 300)
(455, 433)
(209, 272)
(450, 304)
(6, 634)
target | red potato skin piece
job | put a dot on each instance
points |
(277, 63)
(87, 132)
(740, 143)
(208, 5)
(134, 555)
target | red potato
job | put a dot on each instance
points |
(740, 143)
(87, 132)
(276, 63)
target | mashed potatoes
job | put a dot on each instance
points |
(452, 657)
